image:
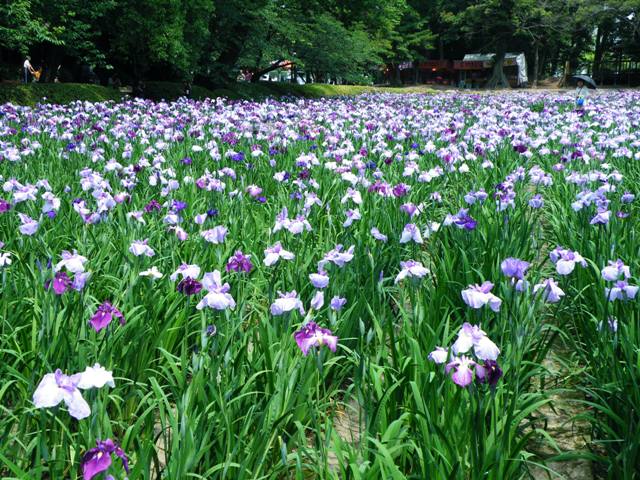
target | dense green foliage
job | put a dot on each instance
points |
(61, 93)
(215, 41)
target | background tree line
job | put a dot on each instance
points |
(214, 41)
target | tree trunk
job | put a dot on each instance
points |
(498, 77)
(536, 64)
(398, 78)
(564, 81)
(441, 47)
(255, 77)
(602, 37)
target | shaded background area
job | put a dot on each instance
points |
(214, 43)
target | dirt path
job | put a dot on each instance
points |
(558, 420)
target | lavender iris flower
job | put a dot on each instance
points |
(411, 232)
(565, 260)
(57, 387)
(615, 270)
(185, 271)
(275, 253)
(215, 235)
(473, 336)
(621, 290)
(514, 268)
(551, 292)
(338, 256)
(536, 201)
(375, 233)
(411, 268)
(318, 300)
(320, 279)
(103, 316)
(287, 302)
(337, 303)
(29, 225)
(627, 197)
(311, 335)
(602, 217)
(4, 206)
(218, 297)
(98, 459)
(140, 247)
(477, 296)
(439, 355)
(73, 262)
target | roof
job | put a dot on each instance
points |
(487, 57)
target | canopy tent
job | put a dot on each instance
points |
(473, 61)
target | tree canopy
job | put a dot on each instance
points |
(215, 41)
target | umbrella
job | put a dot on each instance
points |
(588, 81)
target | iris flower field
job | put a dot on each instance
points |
(214, 289)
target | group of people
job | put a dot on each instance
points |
(28, 72)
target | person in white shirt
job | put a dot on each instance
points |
(27, 70)
(582, 92)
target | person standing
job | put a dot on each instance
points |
(582, 92)
(27, 70)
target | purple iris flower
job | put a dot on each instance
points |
(462, 219)
(4, 206)
(627, 197)
(489, 372)
(98, 459)
(239, 262)
(601, 218)
(103, 316)
(178, 205)
(153, 205)
(514, 268)
(61, 283)
(400, 190)
(311, 335)
(462, 370)
(186, 161)
(189, 286)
